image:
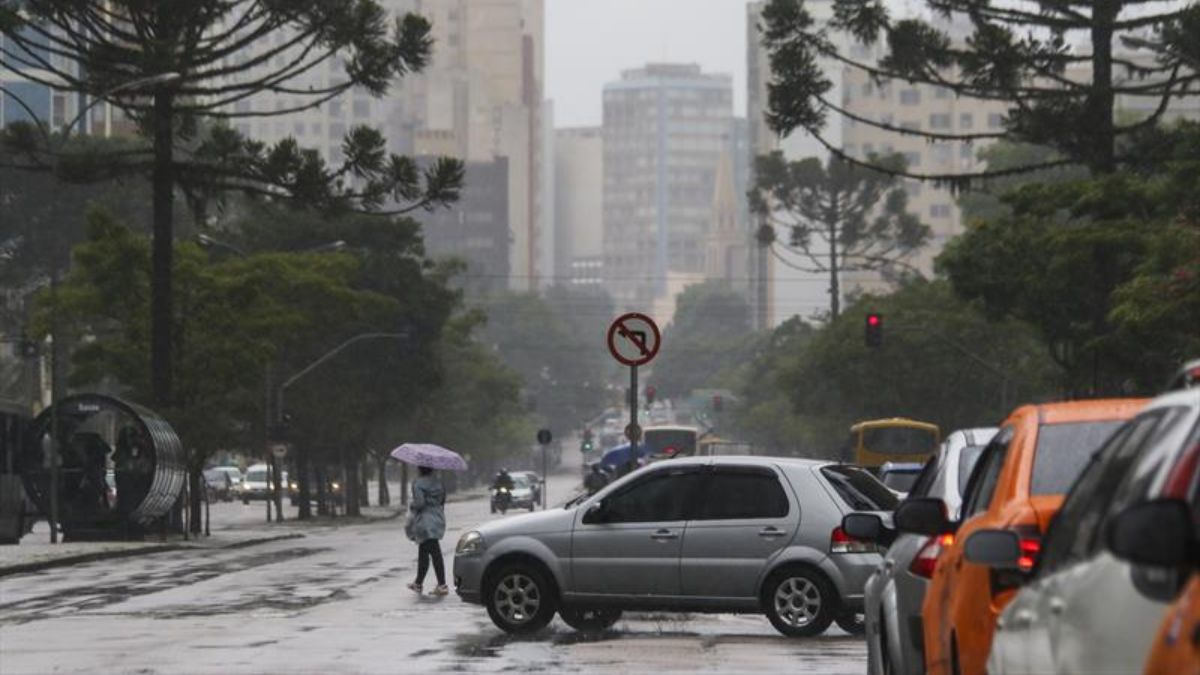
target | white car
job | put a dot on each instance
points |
(1084, 610)
(255, 485)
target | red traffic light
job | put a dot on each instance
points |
(874, 330)
(650, 392)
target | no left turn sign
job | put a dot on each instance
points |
(634, 339)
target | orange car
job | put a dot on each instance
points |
(1018, 483)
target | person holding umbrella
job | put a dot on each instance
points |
(426, 524)
(428, 527)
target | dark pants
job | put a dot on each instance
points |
(430, 549)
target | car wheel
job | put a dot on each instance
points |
(519, 599)
(799, 602)
(589, 620)
(531, 508)
(852, 622)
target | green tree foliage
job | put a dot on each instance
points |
(1103, 267)
(563, 369)
(766, 416)
(708, 335)
(942, 360)
(983, 201)
(176, 68)
(234, 316)
(840, 217)
(1029, 58)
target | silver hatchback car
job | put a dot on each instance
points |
(707, 534)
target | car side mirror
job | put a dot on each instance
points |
(594, 514)
(923, 515)
(1000, 549)
(1158, 532)
(863, 526)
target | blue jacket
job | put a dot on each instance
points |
(429, 515)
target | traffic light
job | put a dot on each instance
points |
(650, 392)
(874, 330)
(718, 404)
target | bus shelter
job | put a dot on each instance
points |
(119, 466)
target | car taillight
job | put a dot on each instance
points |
(925, 562)
(1030, 544)
(840, 542)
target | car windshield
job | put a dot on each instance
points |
(1062, 452)
(860, 490)
(966, 462)
(256, 476)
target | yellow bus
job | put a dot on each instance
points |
(897, 439)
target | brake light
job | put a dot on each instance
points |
(1030, 544)
(925, 562)
(1029, 552)
(840, 542)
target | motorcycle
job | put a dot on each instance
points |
(501, 499)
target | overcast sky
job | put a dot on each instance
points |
(589, 43)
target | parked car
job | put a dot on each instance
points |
(235, 475)
(1018, 484)
(746, 549)
(255, 486)
(217, 485)
(1062, 621)
(900, 476)
(895, 591)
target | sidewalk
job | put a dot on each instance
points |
(35, 553)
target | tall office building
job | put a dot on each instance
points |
(479, 99)
(666, 127)
(578, 205)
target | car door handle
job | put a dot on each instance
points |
(1056, 605)
(664, 535)
(770, 532)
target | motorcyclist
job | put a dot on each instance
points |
(595, 479)
(503, 480)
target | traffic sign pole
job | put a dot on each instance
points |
(633, 412)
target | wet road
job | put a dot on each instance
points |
(334, 601)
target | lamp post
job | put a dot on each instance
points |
(55, 351)
(302, 478)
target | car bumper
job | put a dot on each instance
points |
(468, 577)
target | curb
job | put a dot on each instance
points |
(67, 561)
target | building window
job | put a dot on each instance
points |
(939, 211)
(335, 107)
(941, 93)
(941, 152)
(910, 125)
(362, 107)
(966, 121)
(910, 97)
(912, 159)
(298, 129)
(939, 121)
(995, 120)
(967, 151)
(337, 131)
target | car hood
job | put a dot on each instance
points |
(539, 522)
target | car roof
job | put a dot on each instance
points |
(750, 460)
(1180, 397)
(1091, 410)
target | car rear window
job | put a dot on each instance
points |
(966, 462)
(860, 490)
(1062, 452)
(900, 481)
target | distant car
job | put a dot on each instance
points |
(746, 550)
(524, 494)
(333, 489)
(255, 486)
(535, 484)
(218, 485)
(894, 593)
(1062, 619)
(235, 475)
(900, 476)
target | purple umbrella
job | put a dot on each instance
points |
(432, 456)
